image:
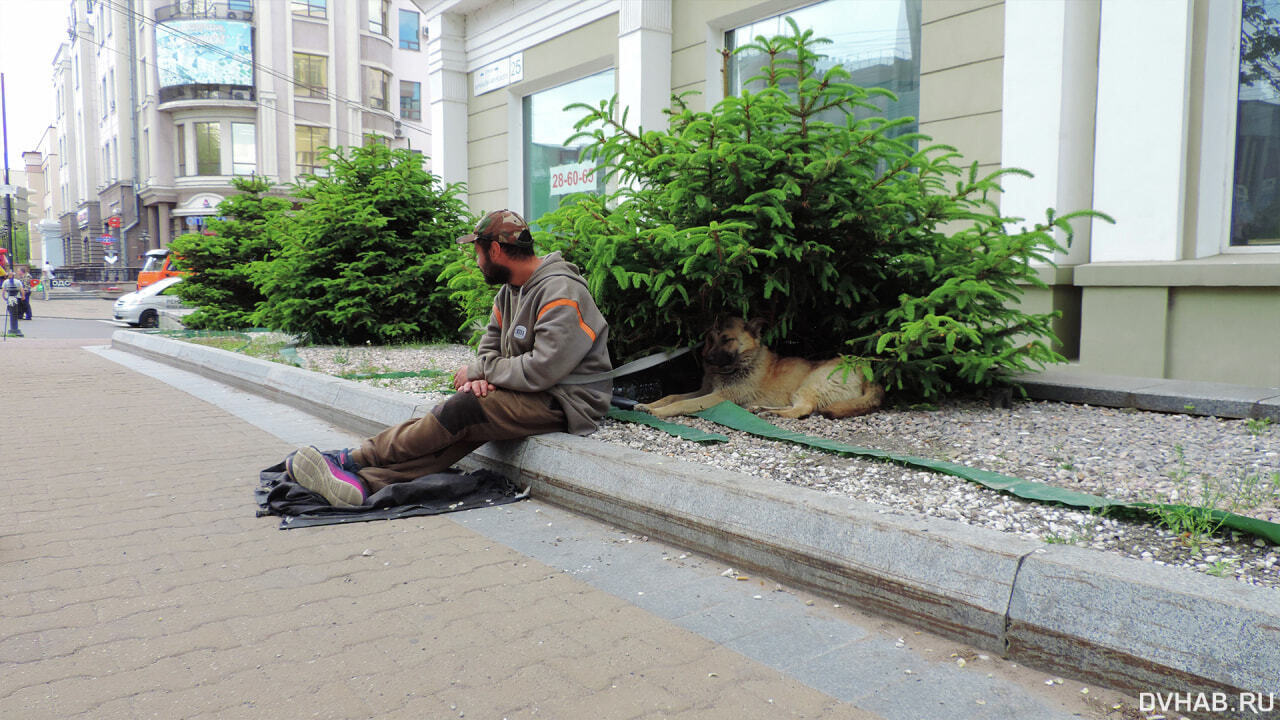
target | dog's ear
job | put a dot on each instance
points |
(756, 326)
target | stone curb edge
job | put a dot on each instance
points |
(1159, 395)
(1104, 619)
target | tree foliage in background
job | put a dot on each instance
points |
(469, 291)
(21, 244)
(1259, 46)
(358, 261)
(843, 238)
(220, 285)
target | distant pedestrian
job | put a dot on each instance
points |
(46, 278)
(25, 306)
(11, 290)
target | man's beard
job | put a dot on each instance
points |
(494, 274)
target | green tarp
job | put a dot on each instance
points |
(681, 431)
(732, 416)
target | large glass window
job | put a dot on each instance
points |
(244, 149)
(1255, 206)
(409, 30)
(410, 100)
(378, 10)
(208, 148)
(551, 168)
(309, 140)
(877, 41)
(375, 88)
(310, 75)
(310, 8)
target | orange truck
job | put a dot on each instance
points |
(158, 265)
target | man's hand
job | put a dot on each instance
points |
(460, 378)
(479, 388)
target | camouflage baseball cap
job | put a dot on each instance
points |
(503, 226)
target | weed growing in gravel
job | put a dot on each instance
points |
(443, 383)
(266, 350)
(1220, 568)
(222, 342)
(369, 368)
(1257, 426)
(1253, 491)
(341, 358)
(1193, 523)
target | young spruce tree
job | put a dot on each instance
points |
(358, 260)
(220, 285)
(843, 237)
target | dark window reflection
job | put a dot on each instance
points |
(1255, 207)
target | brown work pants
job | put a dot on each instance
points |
(452, 429)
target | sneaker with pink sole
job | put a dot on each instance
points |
(321, 475)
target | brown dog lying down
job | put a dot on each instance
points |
(741, 370)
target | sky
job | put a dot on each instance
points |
(30, 32)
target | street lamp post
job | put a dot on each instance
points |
(8, 207)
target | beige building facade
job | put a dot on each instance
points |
(1135, 108)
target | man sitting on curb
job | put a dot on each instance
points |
(544, 332)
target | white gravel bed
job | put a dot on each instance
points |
(1123, 454)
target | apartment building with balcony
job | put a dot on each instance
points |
(161, 104)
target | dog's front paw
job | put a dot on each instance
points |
(642, 408)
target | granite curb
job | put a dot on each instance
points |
(1121, 623)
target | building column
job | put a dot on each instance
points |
(447, 86)
(162, 225)
(1140, 156)
(644, 62)
(269, 156)
(1050, 89)
(153, 227)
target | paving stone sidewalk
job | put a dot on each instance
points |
(137, 583)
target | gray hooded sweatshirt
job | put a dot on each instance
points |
(543, 332)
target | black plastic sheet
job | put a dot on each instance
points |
(428, 495)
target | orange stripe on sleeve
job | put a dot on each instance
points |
(557, 303)
(498, 314)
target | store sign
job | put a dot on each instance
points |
(82, 217)
(498, 75)
(572, 178)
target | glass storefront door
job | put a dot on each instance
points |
(552, 170)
